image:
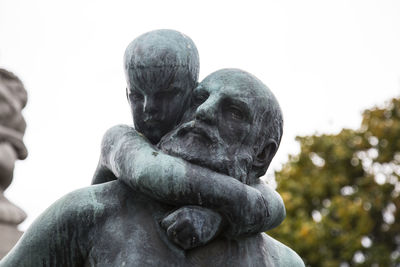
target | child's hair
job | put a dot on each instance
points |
(164, 52)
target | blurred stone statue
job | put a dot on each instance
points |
(13, 98)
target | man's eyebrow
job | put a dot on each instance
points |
(242, 104)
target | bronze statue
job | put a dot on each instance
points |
(188, 191)
(161, 71)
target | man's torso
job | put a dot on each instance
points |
(130, 235)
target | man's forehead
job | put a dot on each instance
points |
(234, 89)
(241, 87)
(236, 81)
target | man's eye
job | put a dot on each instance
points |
(236, 113)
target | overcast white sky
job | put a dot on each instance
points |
(325, 61)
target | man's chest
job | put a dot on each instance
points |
(133, 237)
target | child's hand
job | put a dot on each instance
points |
(192, 226)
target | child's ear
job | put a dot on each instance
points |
(264, 158)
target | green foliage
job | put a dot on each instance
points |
(342, 194)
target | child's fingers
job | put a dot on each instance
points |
(167, 221)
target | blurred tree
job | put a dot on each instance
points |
(342, 194)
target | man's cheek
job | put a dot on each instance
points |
(234, 132)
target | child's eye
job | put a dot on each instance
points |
(174, 90)
(136, 96)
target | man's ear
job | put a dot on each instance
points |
(127, 94)
(263, 159)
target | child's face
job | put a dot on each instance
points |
(158, 100)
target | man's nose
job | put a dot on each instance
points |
(207, 112)
(149, 105)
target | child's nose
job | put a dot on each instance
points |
(149, 105)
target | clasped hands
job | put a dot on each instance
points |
(192, 226)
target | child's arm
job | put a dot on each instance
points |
(194, 226)
(131, 158)
(102, 175)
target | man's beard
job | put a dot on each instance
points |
(202, 145)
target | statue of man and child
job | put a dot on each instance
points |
(181, 188)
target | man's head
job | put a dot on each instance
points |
(234, 126)
(161, 69)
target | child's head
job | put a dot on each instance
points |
(161, 69)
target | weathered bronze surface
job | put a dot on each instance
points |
(182, 188)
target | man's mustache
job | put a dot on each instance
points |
(200, 128)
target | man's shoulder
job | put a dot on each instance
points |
(89, 202)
